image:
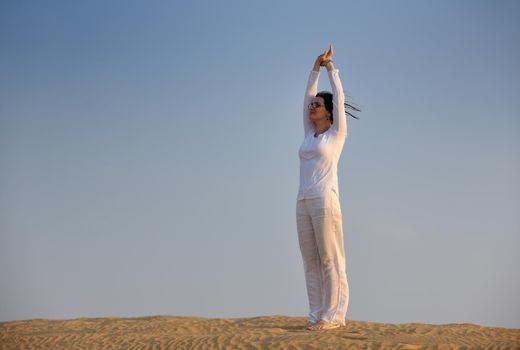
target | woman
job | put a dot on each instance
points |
(318, 210)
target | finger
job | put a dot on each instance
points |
(325, 54)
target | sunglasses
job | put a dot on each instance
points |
(314, 105)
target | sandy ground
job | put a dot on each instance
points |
(265, 332)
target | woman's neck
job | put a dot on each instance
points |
(321, 128)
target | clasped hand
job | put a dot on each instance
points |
(325, 58)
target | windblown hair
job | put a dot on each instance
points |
(327, 97)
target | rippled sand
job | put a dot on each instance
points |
(266, 332)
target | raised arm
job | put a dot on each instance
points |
(310, 93)
(338, 100)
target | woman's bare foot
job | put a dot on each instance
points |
(309, 324)
(323, 325)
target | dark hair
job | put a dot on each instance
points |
(327, 97)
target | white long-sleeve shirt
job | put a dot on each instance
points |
(319, 156)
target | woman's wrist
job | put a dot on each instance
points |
(329, 64)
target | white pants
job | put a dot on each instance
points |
(320, 235)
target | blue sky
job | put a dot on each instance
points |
(149, 156)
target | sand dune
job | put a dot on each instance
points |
(265, 332)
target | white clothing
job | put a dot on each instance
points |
(319, 156)
(320, 235)
(318, 209)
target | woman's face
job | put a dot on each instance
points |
(318, 112)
